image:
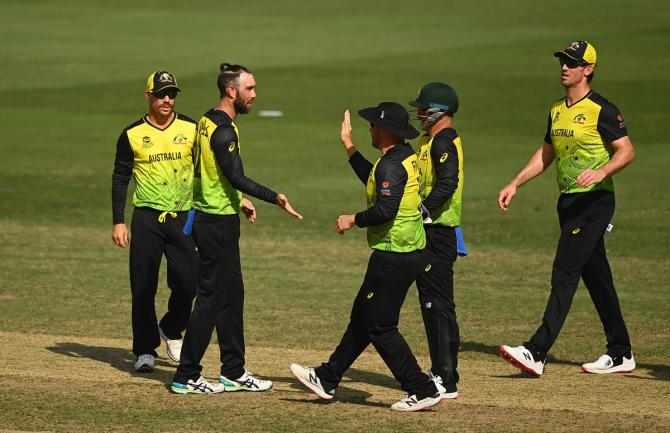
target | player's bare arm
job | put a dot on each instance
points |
(536, 165)
(624, 154)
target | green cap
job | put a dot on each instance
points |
(437, 95)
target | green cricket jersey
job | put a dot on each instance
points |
(393, 219)
(440, 164)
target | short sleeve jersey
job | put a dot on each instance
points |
(581, 135)
(162, 163)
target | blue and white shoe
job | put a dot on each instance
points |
(246, 382)
(200, 386)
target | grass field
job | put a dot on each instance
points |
(72, 78)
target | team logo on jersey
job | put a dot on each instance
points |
(180, 139)
(385, 184)
(231, 147)
(556, 117)
(580, 118)
(443, 157)
(146, 142)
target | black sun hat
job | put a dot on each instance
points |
(391, 117)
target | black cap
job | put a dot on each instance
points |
(160, 80)
(391, 117)
(581, 51)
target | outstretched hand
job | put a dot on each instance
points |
(283, 203)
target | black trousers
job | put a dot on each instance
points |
(436, 294)
(581, 253)
(374, 319)
(220, 299)
(149, 240)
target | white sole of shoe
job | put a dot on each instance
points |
(311, 386)
(422, 406)
(449, 396)
(618, 369)
(518, 364)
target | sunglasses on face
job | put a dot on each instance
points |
(571, 63)
(170, 93)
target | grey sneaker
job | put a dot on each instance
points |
(246, 382)
(200, 386)
(145, 363)
(173, 346)
(307, 376)
(410, 403)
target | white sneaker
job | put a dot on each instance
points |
(145, 363)
(246, 382)
(200, 386)
(173, 346)
(444, 395)
(409, 403)
(307, 376)
(521, 358)
(606, 364)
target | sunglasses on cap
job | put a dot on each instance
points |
(170, 93)
(572, 63)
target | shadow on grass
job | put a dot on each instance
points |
(343, 394)
(121, 359)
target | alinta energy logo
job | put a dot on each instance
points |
(180, 139)
(146, 142)
(556, 117)
(580, 118)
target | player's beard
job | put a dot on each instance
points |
(241, 106)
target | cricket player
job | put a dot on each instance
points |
(397, 238)
(220, 182)
(440, 164)
(157, 152)
(587, 138)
